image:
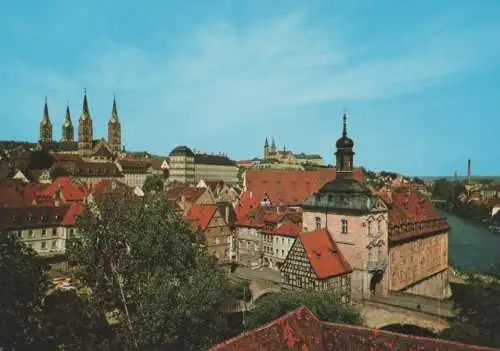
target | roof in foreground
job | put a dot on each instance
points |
(301, 330)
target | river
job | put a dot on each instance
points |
(471, 246)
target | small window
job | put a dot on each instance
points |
(44, 245)
(20, 234)
(217, 241)
(344, 226)
(44, 232)
(318, 222)
(30, 233)
(54, 231)
(71, 233)
(54, 244)
(283, 253)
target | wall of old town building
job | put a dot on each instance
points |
(228, 174)
(420, 266)
(354, 245)
(249, 246)
(219, 238)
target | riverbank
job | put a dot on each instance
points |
(472, 247)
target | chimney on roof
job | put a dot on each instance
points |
(227, 214)
(251, 195)
(469, 171)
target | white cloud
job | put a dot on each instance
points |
(221, 75)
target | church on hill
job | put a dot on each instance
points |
(85, 146)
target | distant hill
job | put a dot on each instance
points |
(495, 178)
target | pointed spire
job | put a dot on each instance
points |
(114, 111)
(344, 132)
(273, 145)
(68, 114)
(46, 117)
(85, 107)
(266, 144)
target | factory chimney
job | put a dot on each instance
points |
(468, 171)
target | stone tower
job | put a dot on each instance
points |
(45, 125)
(67, 128)
(114, 130)
(273, 147)
(344, 154)
(85, 129)
(266, 149)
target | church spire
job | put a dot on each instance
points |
(67, 129)
(85, 106)
(266, 144)
(114, 110)
(114, 129)
(45, 125)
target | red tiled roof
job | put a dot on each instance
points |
(289, 229)
(112, 186)
(75, 209)
(301, 330)
(31, 216)
(289, 187)
(323, 254)
(70, 190)
(14, 192)
(191, 194)
(201, 214)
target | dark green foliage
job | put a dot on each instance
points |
(23, 285)
(446, 190)
(56, 172)
(70, 322)
(40, 160)
(240, 290)
(153, 182)
(325, 305)
(477, 307)
(141, 259)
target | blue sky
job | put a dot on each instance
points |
(420, 79)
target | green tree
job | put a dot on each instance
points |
(446, 190)
(70, 322)
(141, 260)
(477, 307)
(56, 172)
(325, 305)
(241, 170)
(23, 286)
(40, 160)
(153, 182)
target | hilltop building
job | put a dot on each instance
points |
(86, 146)
(273, 155)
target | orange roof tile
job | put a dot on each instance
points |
(70, 190)
(323, 254)
(202, 214)
(76, 209)
(289, 229)
(301, 330)
(289, 187)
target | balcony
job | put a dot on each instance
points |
(376, 265)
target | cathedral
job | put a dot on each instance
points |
(86, 146)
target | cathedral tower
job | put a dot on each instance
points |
(266, 149)
(114, 130)
(67, 128)
(344, 154)
(85, 129)
(273, 147)
(45, 125)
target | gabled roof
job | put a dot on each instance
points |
(75, 210)
(32, 216)
(70, 190)
(201, 215)
(191, 194)
(301, 330)
(325, 257)
(14, 192)
(289, 229)
(289, 187)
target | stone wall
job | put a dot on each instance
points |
(435, 286)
